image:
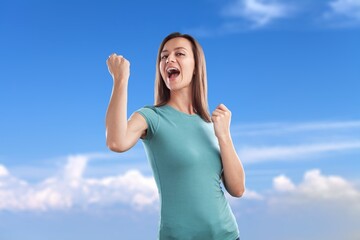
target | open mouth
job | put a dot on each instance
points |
(173, 72)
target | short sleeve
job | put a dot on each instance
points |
(152, 119)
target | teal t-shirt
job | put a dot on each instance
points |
(184, 155)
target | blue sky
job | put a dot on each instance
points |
(288, 71)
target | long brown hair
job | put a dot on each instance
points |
(199, 81)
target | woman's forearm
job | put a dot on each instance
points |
(234, 175)
(116, 116)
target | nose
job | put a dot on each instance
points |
(170, 59)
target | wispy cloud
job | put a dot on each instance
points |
(245, 15)
(70, 189)
(290, 141)
(259, 12)
(286, 153)
(277, 128)
(342, 13)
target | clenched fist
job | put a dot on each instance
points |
(221, 117)
(119, 68)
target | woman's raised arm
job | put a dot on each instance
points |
(121, 134)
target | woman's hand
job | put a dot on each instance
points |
(221, 117)
(119, 68)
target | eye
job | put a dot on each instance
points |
(164, 57)
(180, 54)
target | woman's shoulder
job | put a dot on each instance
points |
(155, 107)
(151, 109)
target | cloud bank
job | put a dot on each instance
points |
(315, 191)
(69, 189)
(316, 187)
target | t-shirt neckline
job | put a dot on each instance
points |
(182, 113)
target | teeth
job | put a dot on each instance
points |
(171, 69)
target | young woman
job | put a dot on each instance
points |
(190, 152)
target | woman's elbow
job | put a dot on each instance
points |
(240, 192)
(113, 146)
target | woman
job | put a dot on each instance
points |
(190, 152)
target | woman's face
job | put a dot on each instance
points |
(177, 63)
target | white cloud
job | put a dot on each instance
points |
(75, 167)
(242, 15)
(70, 189)
(348, 8)
(259, 12)
(343, 13)
(316, 188)
(259, 154)
(283, 184)
(248, 195)
(253, 195)
(323, 206)
(3, 171)
(278, 128)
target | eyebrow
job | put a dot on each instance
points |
(177, 48)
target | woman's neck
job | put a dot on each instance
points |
(182, 101)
